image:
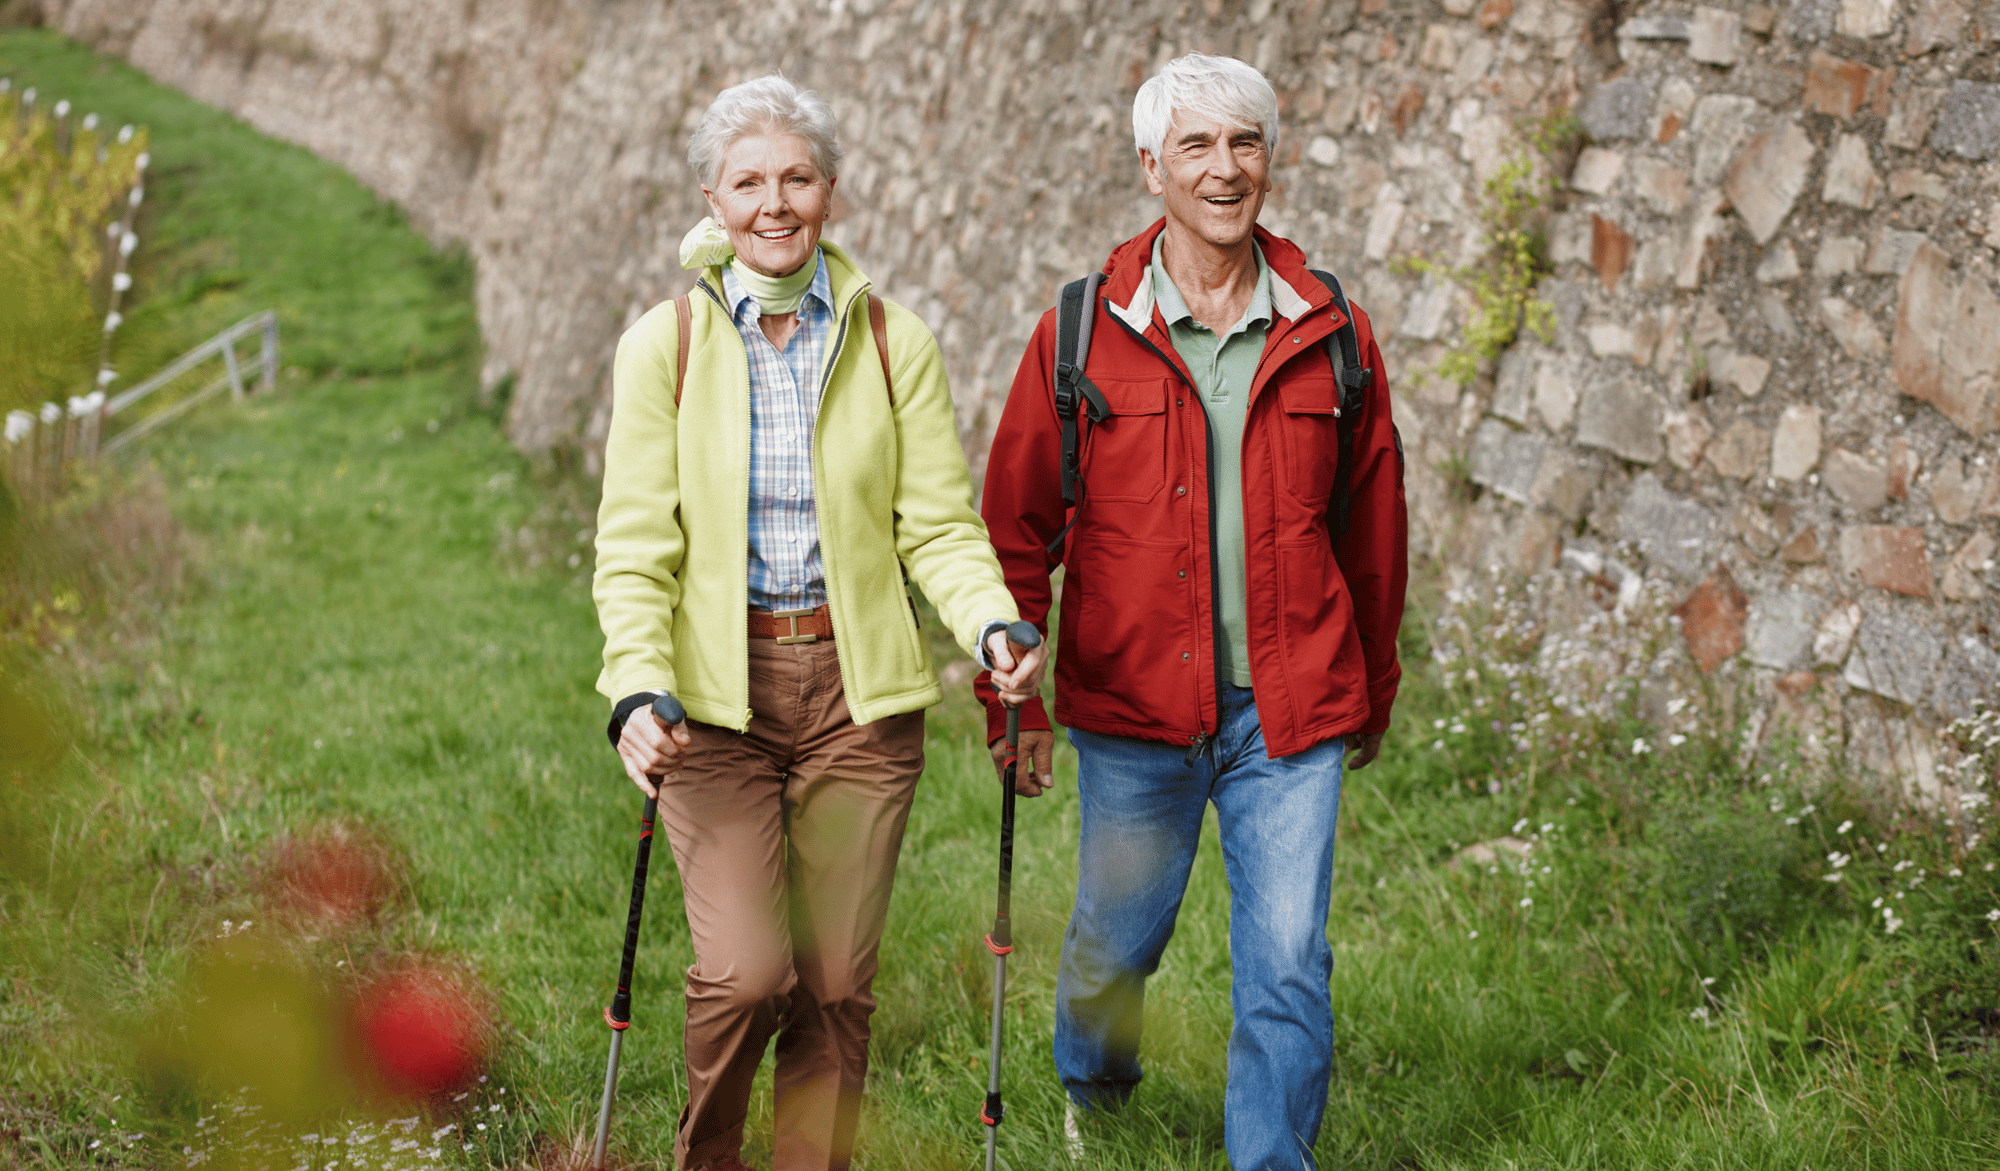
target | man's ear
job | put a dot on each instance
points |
(1151, 166)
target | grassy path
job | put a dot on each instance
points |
(381, 621)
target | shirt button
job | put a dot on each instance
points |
(1296, 341)
(1180, 491)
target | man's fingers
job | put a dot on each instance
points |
(998, 650)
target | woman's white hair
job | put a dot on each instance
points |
(1221, 88)
(766, 105)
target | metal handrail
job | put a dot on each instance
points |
(224, 341)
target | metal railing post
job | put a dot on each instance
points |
(269, 380)
(235, 374)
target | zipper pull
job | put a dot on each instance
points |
(1198, 744)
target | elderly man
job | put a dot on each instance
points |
(1227, 502)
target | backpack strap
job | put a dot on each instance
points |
(878, 322)
(684, 326)
(1343, 351)
(1075, 314)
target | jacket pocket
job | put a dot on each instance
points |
(1311, 444)
(1126, 455)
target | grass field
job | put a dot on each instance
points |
(351, 602)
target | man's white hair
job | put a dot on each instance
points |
(1221, 88)
(766, 105)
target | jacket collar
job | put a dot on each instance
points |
(1128, 281)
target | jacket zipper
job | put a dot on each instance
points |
(1203, 737)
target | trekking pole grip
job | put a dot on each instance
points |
(669, 710)
(1022, 637)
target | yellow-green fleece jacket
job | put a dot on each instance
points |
(894, 496)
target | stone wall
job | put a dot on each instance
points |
(1771, 390)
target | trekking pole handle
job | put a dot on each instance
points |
(669, 710)
(1022, 637)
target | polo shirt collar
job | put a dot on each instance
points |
(1173, 306)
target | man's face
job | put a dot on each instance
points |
(1213, 176)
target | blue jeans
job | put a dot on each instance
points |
(1142, 804)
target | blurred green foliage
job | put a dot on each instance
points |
(61, 187)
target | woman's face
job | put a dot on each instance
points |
(772, 200)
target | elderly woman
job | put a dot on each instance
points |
(783, 458)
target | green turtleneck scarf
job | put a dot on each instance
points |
(777, 294)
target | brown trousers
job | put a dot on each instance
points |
(786, 838)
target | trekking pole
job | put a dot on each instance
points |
(619, 1014)
(1023, 637)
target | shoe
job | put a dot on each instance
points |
(1072, 1132)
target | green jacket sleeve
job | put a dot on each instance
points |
(639, 539)
(939, 537)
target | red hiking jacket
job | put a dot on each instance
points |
(1135, 652)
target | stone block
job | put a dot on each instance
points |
(1596, 170)
(1429, 310)
(1492, 12)
(1811, 20)
(1895, 655)
(1902, 468)
(1673, 533)
(1323, 150)
(1555, 393)
(1745, 372)
(1947, 341)
(1655, 262)
(1837, 256)
(1569, 238)
(1777, 315)
(1802, 549)
(1767, 177)
(1610, 251)
(1852, 328)
(1383, 223)
(1866, 18)
(1779, 631)
(1933, 23)
(1795, 443)
(1887, 557)
(1850, 178)
(1778, 264)
(1505, 460)
(1970, 671)
(1968, 123)
(1890, 251)
(1835, 635)
(1712, 35)
(1617, 109)
(1739, 451)
(1956, 491)
(1837, 86)
(1564, 483)
(1514, 381)
(1961, 580)
(1859, 483)
(1620, 415)
(1705, 226)
(1654, 28)
(1439, 49)
(1663, 188)
(1712, 619)
(1719, 124)
(1911, 183)
(1687, 433)
(1755, 529)
(1912, 113)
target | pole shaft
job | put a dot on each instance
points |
(604, 1107)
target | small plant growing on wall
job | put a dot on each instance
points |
(1502, 282)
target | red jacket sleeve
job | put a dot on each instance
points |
(1023, 506)
(1374, 552)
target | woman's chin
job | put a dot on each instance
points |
(779, 265)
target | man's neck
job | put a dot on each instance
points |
(1217, 283)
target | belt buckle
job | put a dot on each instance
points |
(795, 638)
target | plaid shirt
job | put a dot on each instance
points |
(786, 572)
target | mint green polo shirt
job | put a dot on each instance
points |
(1223, 368)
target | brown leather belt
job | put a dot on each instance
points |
(792, 626)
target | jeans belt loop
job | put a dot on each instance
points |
(795, 638)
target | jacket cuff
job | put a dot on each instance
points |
(623, 711)
(1034, 718)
